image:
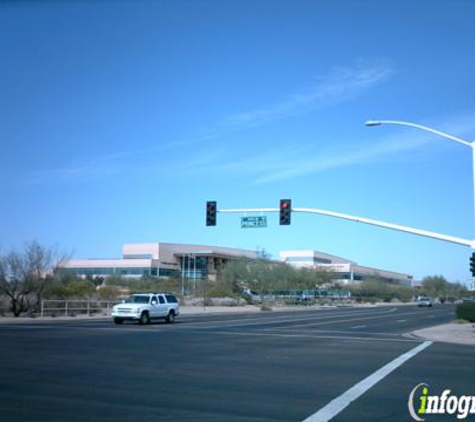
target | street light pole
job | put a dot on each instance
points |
(436, 132)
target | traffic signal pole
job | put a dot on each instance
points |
(391, 226)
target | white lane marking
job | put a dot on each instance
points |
(333, 332)
(313, 318)
(401, 320)
(375, 316)
(282, 318)
(358, 326)
(335, 321)
(337, 405)
(331, 337)
(297, 316)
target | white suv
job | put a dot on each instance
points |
(143, 307)
(424, 301)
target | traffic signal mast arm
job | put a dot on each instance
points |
(424, 233)
(250, 210)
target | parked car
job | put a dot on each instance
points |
(144, 307)
(424, 301)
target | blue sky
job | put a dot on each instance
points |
(120, 119)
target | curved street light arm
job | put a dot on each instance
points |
(436, 132)
(417, 126)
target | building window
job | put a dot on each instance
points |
(166, 272)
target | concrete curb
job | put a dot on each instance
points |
(455, 333)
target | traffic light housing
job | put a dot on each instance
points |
(285, 212)
(472, 264)
(211, 213)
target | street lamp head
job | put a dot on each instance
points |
(373, 123)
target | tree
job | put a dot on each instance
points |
(435, 286)
(374, 289)
(457, 291)
(24, 275)
(264, 276)
(259, 275)
(438, 286)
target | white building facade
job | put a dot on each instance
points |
(160, 260)
(344, 271)
(205, 262)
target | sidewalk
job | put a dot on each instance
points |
(458, 333)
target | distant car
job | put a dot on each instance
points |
(424, 301)
(256, 297)
(144, 307)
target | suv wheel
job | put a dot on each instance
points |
(171, 317)
(118, 320)
(144, 318)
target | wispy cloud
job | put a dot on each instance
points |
(364, 154)
(290, 162)
(341, 84)
(97, 168)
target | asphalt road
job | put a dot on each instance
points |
(252, 367)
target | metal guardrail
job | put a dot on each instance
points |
(74, 307)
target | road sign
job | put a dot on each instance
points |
(253, 222)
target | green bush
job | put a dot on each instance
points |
(466, 311)
(109, 292)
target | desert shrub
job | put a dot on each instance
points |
(109, 292)
(466, 311)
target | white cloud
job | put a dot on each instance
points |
(341, 84)
(290, 162)
(97, 168)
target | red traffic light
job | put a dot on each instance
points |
(285, 212)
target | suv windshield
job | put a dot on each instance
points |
(138, 299)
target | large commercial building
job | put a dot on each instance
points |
(160, 259)
(204, 262)
(344, 271)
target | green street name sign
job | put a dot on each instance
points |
(253, 222)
